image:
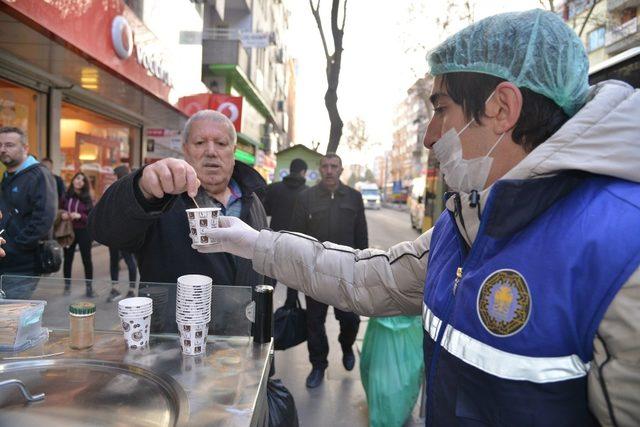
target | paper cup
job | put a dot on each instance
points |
(136, 331)
(193, 337)
(200, 221)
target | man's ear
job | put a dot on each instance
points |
(504, 107)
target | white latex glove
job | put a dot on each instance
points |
(232, 236)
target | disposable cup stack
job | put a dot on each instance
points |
(193, 312)
(135, 318)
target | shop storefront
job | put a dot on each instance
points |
(85, 82)
(19, 107)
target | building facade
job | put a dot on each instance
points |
(243, 55)
(610, 26)
(86, 80)
(409, 158)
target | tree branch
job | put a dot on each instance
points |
(344, 15)
(335, 30)
(316, 15)
(586, 19)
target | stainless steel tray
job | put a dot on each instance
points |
(91, 392)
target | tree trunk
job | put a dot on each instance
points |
(331, 102)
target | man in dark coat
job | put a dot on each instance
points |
(281, 196)
(279, 201)
(28, 202)
(330, 211)
(144, 212)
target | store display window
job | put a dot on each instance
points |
(93, 144)
(18, 108)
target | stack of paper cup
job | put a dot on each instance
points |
(135, 317)
(193, 312)
(200, 221)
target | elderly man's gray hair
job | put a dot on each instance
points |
(213, 116)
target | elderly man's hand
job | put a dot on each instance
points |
(232, 236)
(168, 176)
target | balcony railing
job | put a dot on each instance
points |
(621, 31)
(249, 39)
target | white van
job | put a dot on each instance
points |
(370, 195)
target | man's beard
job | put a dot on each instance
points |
(9, 162)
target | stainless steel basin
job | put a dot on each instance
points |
(91, 393)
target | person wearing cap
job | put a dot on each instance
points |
(529, 283)
(280, 197)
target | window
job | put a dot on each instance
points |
(93, 144)
(18, 108)
(595, 39)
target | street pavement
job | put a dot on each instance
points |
(340, 400)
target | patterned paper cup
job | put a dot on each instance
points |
(136, 331)
(193, 337)
(200, 221)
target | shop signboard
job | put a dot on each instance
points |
(230, 106)
(162, 143)
(107, 32)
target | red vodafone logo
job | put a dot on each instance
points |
(230, 110)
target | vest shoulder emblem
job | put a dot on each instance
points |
(504, 303)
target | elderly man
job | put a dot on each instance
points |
(529, 283)
(29, 202)
(144, 212)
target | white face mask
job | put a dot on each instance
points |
(464, 175)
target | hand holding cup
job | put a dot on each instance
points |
(168, 176)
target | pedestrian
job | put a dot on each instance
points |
(48, 163)
(29, 204)
(77, 204)
(330, 211)
(115, 255)
(280, 198)
(528, 283)
(144, 212)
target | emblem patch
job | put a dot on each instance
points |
(504, 303)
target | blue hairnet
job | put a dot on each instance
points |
(533, 49)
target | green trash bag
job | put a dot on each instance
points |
(392, 368)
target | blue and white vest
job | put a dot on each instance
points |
(509, 326)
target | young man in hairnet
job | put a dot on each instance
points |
(529, 283)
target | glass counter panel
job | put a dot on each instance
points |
(229, 305)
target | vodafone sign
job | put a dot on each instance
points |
(230, 106)
(230, 110)
(121, 37)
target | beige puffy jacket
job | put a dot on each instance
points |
(602, 138)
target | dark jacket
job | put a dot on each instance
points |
(29, 203)
(280, 200)
(336, 217)
(157, 232)
(59, 186)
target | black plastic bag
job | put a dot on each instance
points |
(282, 408)
(289, 323)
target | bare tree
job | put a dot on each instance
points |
(334, 61)
(357, 134)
